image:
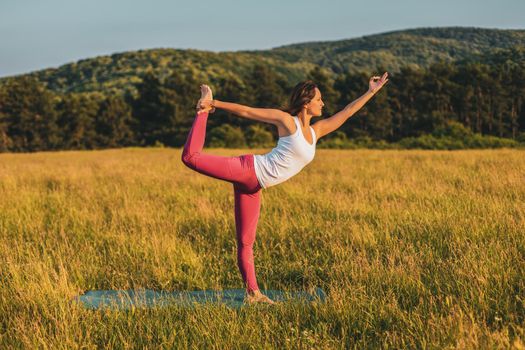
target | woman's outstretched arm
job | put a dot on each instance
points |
(266, 115)
(326, 126)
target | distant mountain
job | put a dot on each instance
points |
(389, 51)
(392, 50)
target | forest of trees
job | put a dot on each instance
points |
(481, 102)
(415, 48)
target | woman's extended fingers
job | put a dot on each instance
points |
(383, 78)
(377, 82)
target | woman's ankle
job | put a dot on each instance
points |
(253, 292)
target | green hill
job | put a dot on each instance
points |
(391, 51)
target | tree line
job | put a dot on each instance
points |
(479, 99)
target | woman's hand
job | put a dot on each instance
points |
(377, 82)
(206, 105)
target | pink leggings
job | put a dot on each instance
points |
(247, 191)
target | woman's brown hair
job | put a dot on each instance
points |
(302, 93)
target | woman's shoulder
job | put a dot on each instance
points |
(289, 122)
(284, 115)
(288, 126)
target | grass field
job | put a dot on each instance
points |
(415, 249)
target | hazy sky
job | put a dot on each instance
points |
(36, 34)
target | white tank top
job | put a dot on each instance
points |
(291, 154)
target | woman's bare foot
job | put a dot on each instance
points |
(204, 104)
(257, 297)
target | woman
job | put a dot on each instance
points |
(250, 173)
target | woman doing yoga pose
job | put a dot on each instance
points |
(250, 173)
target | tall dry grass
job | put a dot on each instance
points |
(415, 249)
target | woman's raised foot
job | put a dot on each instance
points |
(204, 103)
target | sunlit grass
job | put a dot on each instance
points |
(415, 249)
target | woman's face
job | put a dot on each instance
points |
(315, 106)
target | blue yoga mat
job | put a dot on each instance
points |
(143, 298)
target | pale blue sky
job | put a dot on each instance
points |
(36, 34)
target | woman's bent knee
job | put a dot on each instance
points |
(189, 159)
